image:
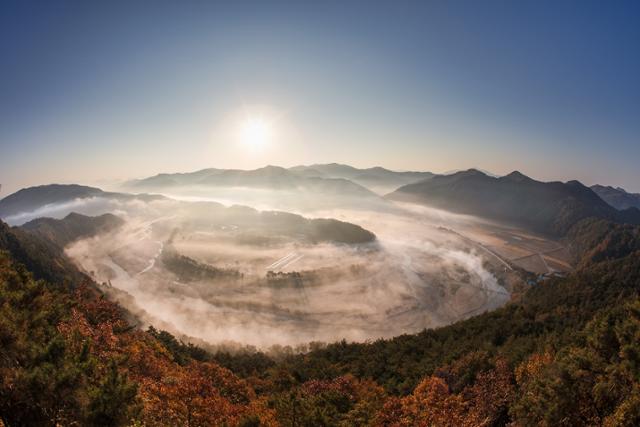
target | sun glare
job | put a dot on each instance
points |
(256, 132)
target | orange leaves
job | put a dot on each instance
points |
(198, 394)
(532, 367)
(490, 396)
(484, 402)
(432, 404)
(184, 398)
(97, 309)
(201, 394)
(103, 341)
(392, 413)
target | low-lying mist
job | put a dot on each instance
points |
(232, 275)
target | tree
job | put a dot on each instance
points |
(113, 400)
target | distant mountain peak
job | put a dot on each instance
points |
(272, 170)
(517, 176)
(475, 171)
(471, 171)
(610, 188)
(617, 197)
(468, 173)
(576, 183)
(379, 169)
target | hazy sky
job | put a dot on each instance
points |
(113, 90)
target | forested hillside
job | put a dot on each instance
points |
(567, 353)
(72, 227)
(547, 207)
(68, 357)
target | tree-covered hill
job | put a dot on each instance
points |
(547, 207)
(36, 198)
(42, 257)
(72, 227)
(68, 357)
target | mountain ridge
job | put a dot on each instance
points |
(617, 197)
(32, 198)
(268, 177)
(548, 207)
(375, 177)
(72, 227)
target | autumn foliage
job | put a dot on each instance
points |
(568, 354)
(71, 358)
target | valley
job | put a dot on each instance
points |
(228, 283)
(230, 275)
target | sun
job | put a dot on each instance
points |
(256, 132)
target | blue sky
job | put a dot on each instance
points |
(94, 91)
